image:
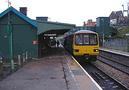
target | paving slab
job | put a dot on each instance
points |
(83, 80)
(54, 72)
(43, 74)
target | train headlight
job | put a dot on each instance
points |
(96, 50)
(76, 50)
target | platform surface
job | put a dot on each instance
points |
(119, 52)
(55, 72)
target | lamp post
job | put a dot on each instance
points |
(10, 40)
(103, 30)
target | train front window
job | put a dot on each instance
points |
(78, 39)
(86, 39)
(93, 39)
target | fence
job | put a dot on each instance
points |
(118, 44)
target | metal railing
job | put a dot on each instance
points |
(117, 44)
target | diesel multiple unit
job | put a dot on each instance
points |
(83, 43)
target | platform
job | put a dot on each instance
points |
(54, 72)
(119, 52)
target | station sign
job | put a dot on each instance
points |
(50, 35)
(35, 42)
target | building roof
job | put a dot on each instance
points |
(57, 23)
(22, 16)
(116, 14)
(90, 24)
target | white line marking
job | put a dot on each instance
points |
(71, 73)
(88, 74)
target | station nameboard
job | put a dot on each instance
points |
(49, 34)
(35, 42)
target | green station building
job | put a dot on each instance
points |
(28, 34)
(24, 33)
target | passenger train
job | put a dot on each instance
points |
(83, 44)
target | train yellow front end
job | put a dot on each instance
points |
(86, 50)
(86, 44)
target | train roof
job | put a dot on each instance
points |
(80, 31)
(84, 31)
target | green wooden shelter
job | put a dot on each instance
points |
(27, 33)
(24, 34)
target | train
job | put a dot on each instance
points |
(83, 44)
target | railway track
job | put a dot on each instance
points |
(115, 64)
(115, 57)
(104, 80)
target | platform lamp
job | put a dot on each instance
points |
(10, 33)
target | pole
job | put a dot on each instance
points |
(10, 40)
(103, 37)
(123, 8)
(103, 30)
(11, 49)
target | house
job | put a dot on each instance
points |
(117, 18)
(90, 23)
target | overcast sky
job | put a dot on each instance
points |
(67, 11)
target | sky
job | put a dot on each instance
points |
(67, 11)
